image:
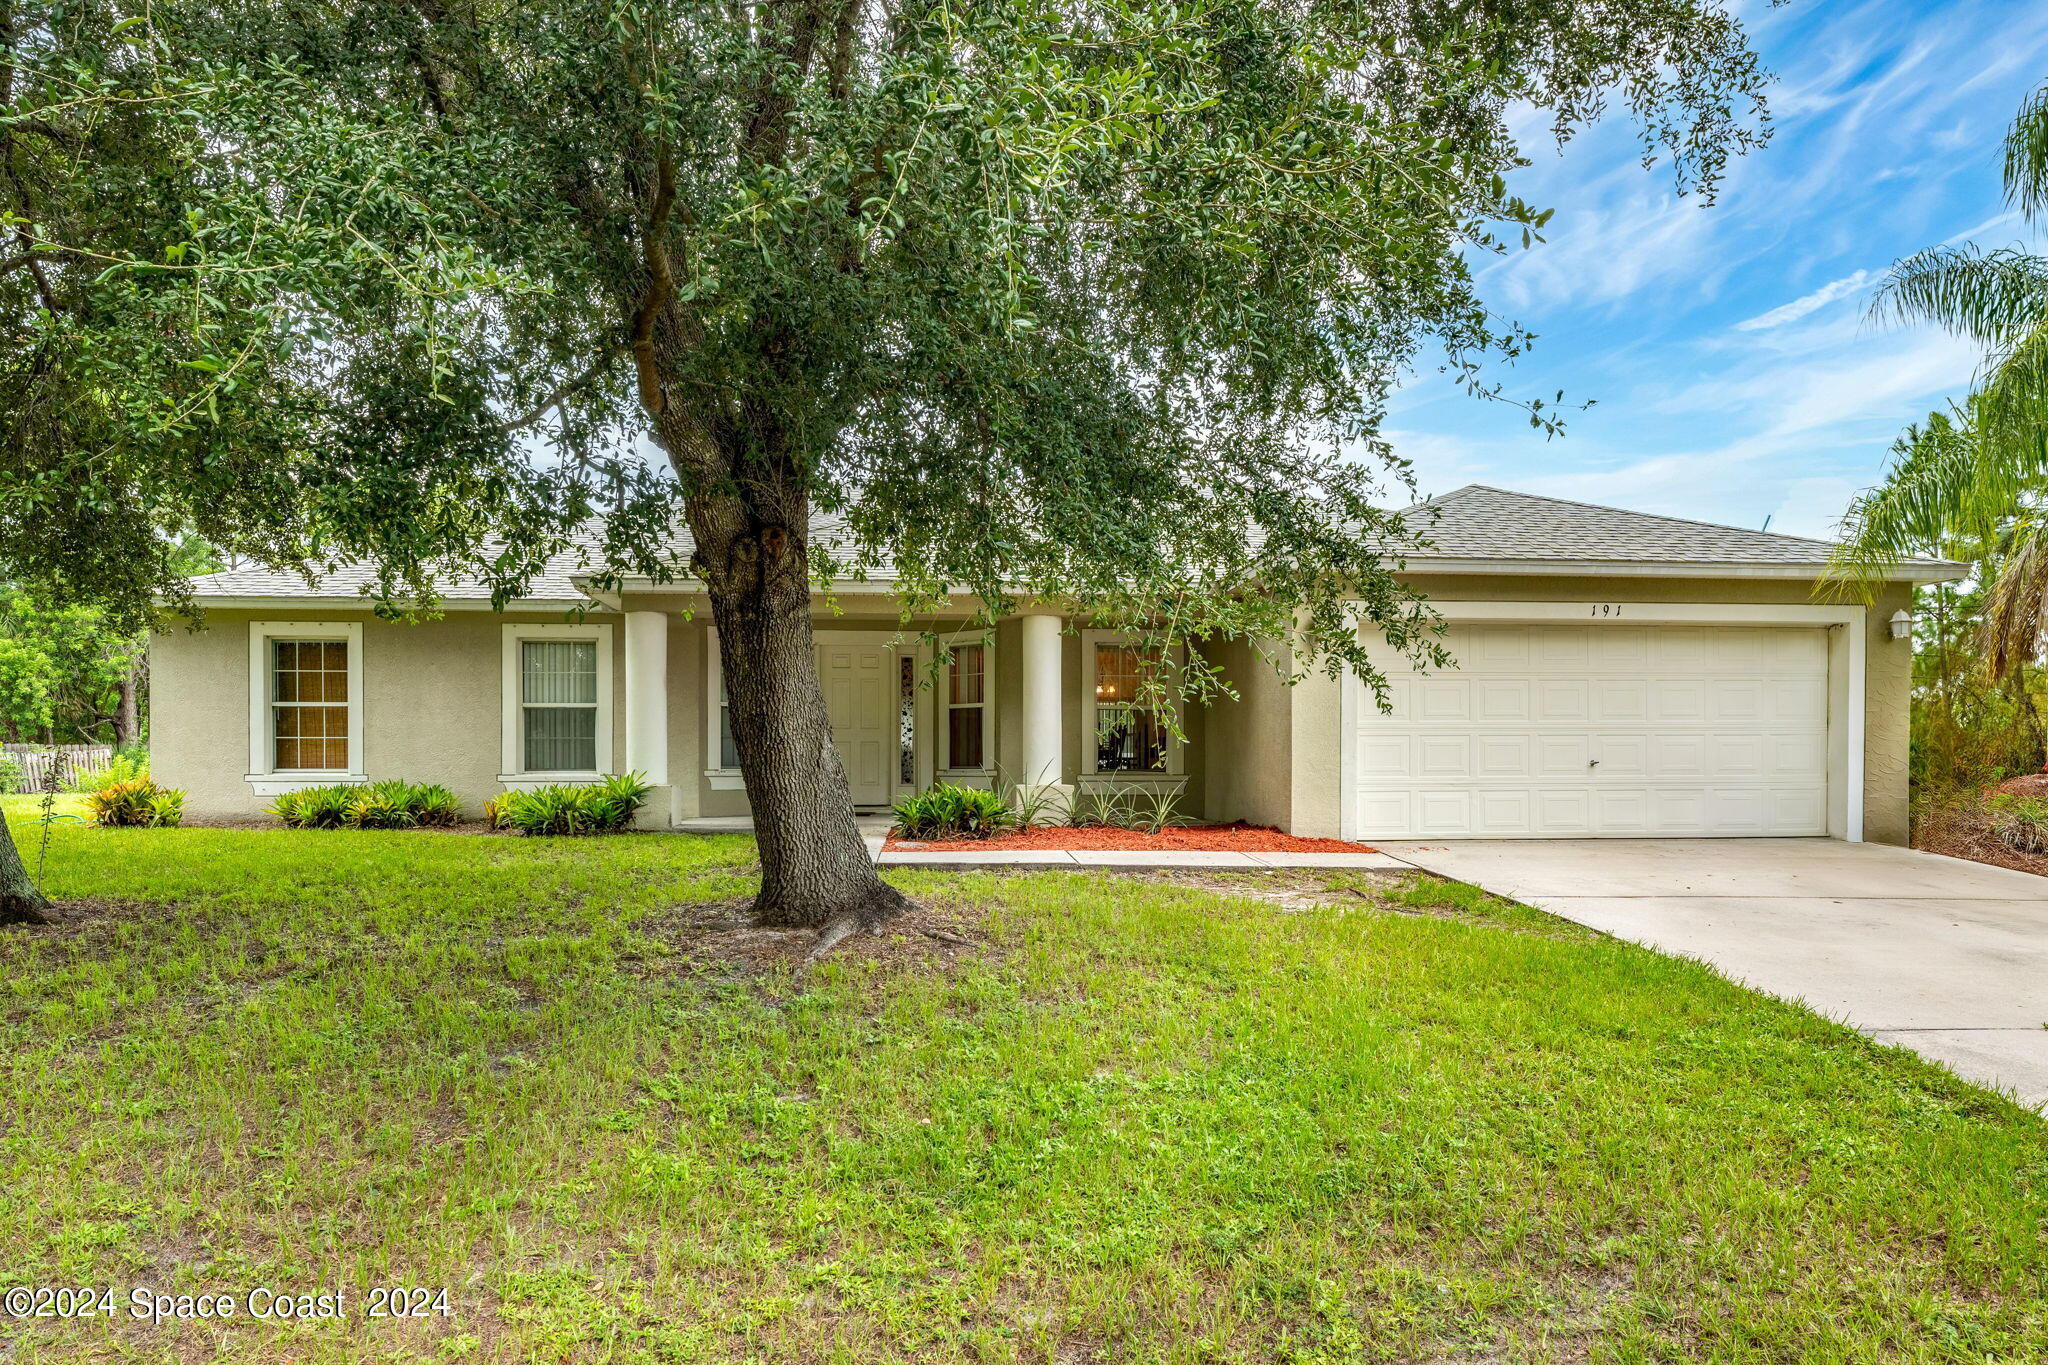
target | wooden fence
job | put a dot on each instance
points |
(52, 769)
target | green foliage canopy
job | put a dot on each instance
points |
(1081, 299)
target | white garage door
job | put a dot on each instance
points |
(1556, 731)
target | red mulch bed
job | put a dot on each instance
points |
(1237, 838)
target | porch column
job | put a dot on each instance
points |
(647, 712)
(1041, 677)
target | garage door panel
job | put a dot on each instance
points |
(1683, 700)
(1798, 702)
(1622, 755)
(1501, 649)
(1737, 699)
(1443, 756)
(1796, 651)
(1561, 810)
(1678, 811)
(1736, 755)
(1503, 756)
(1564, 755)
(1678, 755)
(1503, 814)
(1620, 700)
(1802, 754)
(1385, 756)
(1799, 806)
(1561, 649)
(1443, 812)
(1563, 699)
(1617, 649)
(1563, 731)
(1442, 699)
(1502, 700)
(1678, 649)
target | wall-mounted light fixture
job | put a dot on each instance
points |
(1902, 624)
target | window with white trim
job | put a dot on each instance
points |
(558, 702)
(728, 751)
(305, 701)
(309, 705)
(967, 696)
(558, 705)
(1125, 701)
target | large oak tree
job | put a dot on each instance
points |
(1090, 301)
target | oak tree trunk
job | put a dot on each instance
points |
(21, 901)
(815, 871)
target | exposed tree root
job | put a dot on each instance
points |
(24, 910)
(870, 915)
(836, 931)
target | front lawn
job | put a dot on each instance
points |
(1071, 1118)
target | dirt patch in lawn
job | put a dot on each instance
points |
(1237, 838)
(933, 933)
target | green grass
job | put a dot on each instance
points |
(1137, 1122)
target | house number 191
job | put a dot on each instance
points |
(1606, 609)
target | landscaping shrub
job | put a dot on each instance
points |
(390, 804)
(314, 807)
(1148, 809)
(952, 812)
(598, 808)
(140, 803)
(2020, 822)
(122, 767)
(13, 777)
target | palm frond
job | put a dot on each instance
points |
(1992, 297)
(2016, 609)
(1932, 491)
(2026, 155)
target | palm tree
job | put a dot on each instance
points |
(1978, 475)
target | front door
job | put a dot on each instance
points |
(857, 678)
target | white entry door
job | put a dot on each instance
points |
(858, 698)
(1560, 731)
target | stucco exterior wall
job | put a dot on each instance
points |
(1250, 751)
(432, 703)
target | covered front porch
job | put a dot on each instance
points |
(1035, 702)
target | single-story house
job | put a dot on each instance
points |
(1620, 674)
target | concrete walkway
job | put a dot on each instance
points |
(1947, 957)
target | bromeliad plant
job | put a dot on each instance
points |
(390, 804)
(139, 803)
(604, 807)
(948, 811)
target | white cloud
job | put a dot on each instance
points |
(1612, 248)
(1800, 307)
(1814, 506)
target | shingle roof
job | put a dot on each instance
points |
(1477, 522)
(555, 583)
(561, 581)
(1473, 524)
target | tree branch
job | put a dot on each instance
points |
(560, 392)
(660, 283)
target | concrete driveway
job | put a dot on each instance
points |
(1949, 958)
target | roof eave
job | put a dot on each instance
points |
(1636, 568)
(314, 602)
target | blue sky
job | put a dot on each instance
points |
(1735, 372)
